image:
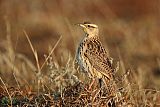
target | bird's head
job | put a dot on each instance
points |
(90, 29)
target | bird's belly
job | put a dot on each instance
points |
(86, 67)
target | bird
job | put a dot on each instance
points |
(94, 60)
(92, 57)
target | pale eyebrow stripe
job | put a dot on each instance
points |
(93, 25)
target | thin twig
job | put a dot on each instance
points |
(34, 51)
(16, 81)
(51, 52)
(6, 90)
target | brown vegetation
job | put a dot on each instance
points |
(38, 41)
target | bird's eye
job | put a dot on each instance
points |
(88, 26)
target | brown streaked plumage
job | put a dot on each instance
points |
(91, 56)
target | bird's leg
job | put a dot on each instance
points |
(100, 82)
(93, 81)
(100, 85)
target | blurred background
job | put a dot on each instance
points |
(129, 30)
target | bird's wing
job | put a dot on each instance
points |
(98, 57)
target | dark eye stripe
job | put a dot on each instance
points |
(90, 26)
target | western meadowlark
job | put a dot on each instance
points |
(92, 57)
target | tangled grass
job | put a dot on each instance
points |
(52, 85)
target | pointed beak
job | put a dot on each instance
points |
(81, 25)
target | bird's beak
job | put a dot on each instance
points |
(81, 25)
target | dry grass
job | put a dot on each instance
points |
(37, 50)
